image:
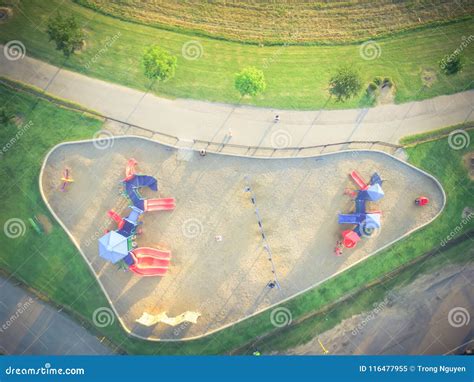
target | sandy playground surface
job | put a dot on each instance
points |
(225, 281)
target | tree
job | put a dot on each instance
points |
(345, 84)
(5, 115)
(159, 64)
(451, 64)
(66, 33)
(250, 81)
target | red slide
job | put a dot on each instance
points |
(160, 204)
(116, 217)
(150, 261)
(130, 170)
(358, 180)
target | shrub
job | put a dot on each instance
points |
(387, 81)
(250, 81)
(378, 81)
(451, 64)
(345, 84)
(65, 32)
(5, 115)
(159, 64)
(371, 89)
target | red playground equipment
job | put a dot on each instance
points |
(364, 222)
(121, 244)
(160, 204)
(422, 201)
(117, 218)
(150, 261)
(350, 238)
(359, 181)
(130, 169)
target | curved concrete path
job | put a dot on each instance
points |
(250, 126)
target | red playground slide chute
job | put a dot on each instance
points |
(160, 204)
(130, 170)
(359, 181)
(150, 261)
(116, 218)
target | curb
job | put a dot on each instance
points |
(154, 339)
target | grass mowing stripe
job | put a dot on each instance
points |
(297, 76)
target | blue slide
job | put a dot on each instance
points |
(349, 219)
(138, 181)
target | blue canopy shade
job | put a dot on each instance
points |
(372, 220)
(375, 192)
(113, 247)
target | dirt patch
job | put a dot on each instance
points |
(468, 161)
(428, 316)
(381, 90)
(226, 280)
(5, 14)
(45, 223)
(19, 120)
(386, 95)
(428, 77)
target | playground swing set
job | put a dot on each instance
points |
(364, 222)
(121, 244)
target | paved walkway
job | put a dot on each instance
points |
(189, 119)
(30, 326)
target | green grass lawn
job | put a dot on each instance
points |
(297, 76)
(51, 265)
(313, 326)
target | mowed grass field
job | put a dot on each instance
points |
(297, 76)
(283, 21)
(51, 264)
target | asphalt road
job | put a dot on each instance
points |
(31, 326)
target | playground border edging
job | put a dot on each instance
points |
(128, 331)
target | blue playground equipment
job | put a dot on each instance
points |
(365, 221)
(121, 244)
(131, 187)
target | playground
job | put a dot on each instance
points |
(217, 254)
